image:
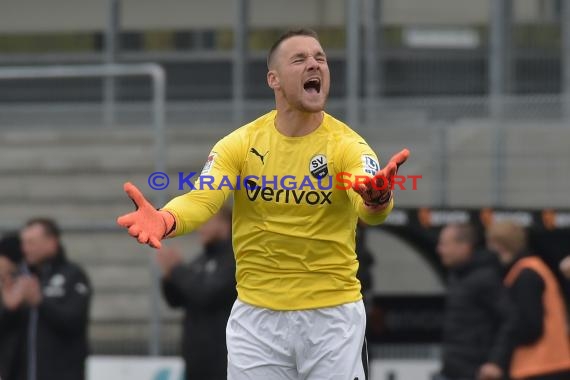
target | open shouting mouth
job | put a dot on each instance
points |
(313, 85)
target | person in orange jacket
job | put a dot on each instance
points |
(541, 350)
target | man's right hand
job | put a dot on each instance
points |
(32, 290)
(146, 224)
(12, 295)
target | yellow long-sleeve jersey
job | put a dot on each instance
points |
(294, 215)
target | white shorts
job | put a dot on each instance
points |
(317, 344)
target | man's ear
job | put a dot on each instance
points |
(272, 80)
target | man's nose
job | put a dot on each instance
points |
(312, 63)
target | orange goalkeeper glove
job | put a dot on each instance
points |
(147, 224)
(377, 192)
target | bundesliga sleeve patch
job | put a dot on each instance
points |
(369, 164)
(209, 163)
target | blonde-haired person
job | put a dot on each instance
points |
(541, 350)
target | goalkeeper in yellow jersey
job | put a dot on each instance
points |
(294, 173)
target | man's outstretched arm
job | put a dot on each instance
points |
(185, 213)
(147, 224)
(377, 193)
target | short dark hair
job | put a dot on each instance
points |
(10, 247)
(466, 233)
(285, 36)
(49, 225)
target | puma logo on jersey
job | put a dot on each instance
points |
(261, 157)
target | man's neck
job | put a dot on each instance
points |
(294, 123)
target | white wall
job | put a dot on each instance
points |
(398, 269)
(61, 15)
(170, 368)
(436, 12)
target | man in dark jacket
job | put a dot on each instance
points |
(12, 322)
(206, 290)
(477, 319)
(57, 305)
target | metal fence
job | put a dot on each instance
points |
(494, 137)
(372, 53)
(157, 75)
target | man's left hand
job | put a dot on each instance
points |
(377, 192)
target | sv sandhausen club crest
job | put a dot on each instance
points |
(318, 166)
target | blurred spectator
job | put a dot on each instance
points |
(57, 303)
(365, 260)
(364, 273)
(565, 267)
(540, 336)
(206, 290)
(12, 323)
(476, 324)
